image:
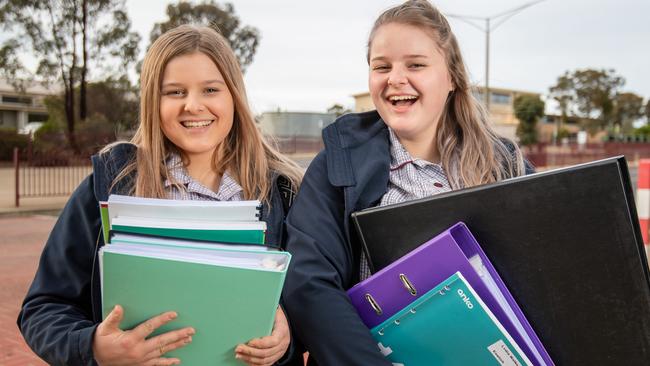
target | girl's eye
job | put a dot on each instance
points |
(174, 93)
(211, 90)
(417, 66)
(381, 68)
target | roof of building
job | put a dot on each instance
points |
(33, 87)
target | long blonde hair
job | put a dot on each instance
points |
(470, 151)
(245, 154)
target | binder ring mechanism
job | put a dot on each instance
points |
(407, 284)
(373, 303)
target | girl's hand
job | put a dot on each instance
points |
(113, 346)
(267, 350)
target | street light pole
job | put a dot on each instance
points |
(503, 17)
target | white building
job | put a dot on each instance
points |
(18, 109)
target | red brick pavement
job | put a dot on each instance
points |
(21, 243)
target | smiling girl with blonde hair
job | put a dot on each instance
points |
(196, 140)
(427, 136)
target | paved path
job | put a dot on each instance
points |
(21, 244)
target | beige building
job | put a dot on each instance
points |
(295, 124)
(18, 109)
(501, 111)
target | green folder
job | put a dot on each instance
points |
(223, 236)
(449, 325)
(106, 224)
(229, 297)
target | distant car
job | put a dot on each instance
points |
(30, 128)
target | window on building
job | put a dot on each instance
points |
(37, 117)
(8, 119)
(500, 98)
(19, 100)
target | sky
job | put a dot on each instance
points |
(312, 53)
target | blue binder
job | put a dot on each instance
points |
(451, 326)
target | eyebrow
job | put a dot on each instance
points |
(206, 82)
(384, 58)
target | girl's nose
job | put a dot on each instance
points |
(397, 78)
(193, 104)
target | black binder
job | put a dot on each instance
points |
(566, 242)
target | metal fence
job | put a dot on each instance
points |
(43, 177)
(297, 144)
(547, 155)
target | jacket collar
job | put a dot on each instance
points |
(351, 134)
(358, 156)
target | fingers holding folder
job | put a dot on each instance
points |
(113, 346)
(267, 350)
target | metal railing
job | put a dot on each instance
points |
(47, 177)
(297, 144)
(546, 155)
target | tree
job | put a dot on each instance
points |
(112, 100)
(563, 92)
(105, 38)
(116, 100)
(528, 109)
(628, 108)
(595, 92)
(647, 111)
(338, 110)
(60, 37)
(243, 39)
(589, 94)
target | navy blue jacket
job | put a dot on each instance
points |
(63, 305)
(350, 174)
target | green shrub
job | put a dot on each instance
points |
(9, 138)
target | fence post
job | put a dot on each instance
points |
(17, 175)
(643, 198)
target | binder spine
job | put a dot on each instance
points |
(364, 246)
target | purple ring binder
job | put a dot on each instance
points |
(427, 266)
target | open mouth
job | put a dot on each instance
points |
(197, 124)
(402, 100)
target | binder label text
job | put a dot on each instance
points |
(503, 354)
(465, 299)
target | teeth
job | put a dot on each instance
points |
(402, 97)
(193, 124)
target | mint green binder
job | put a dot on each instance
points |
(226, 304)
(449, 326)
(223, 236)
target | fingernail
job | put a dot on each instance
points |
(173, 316)
(238, 356)
(191, 331)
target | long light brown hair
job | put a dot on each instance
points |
(244, 152)
(470, 151)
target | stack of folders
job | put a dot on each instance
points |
(204, 260)
(444, 304)
(236, 222)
